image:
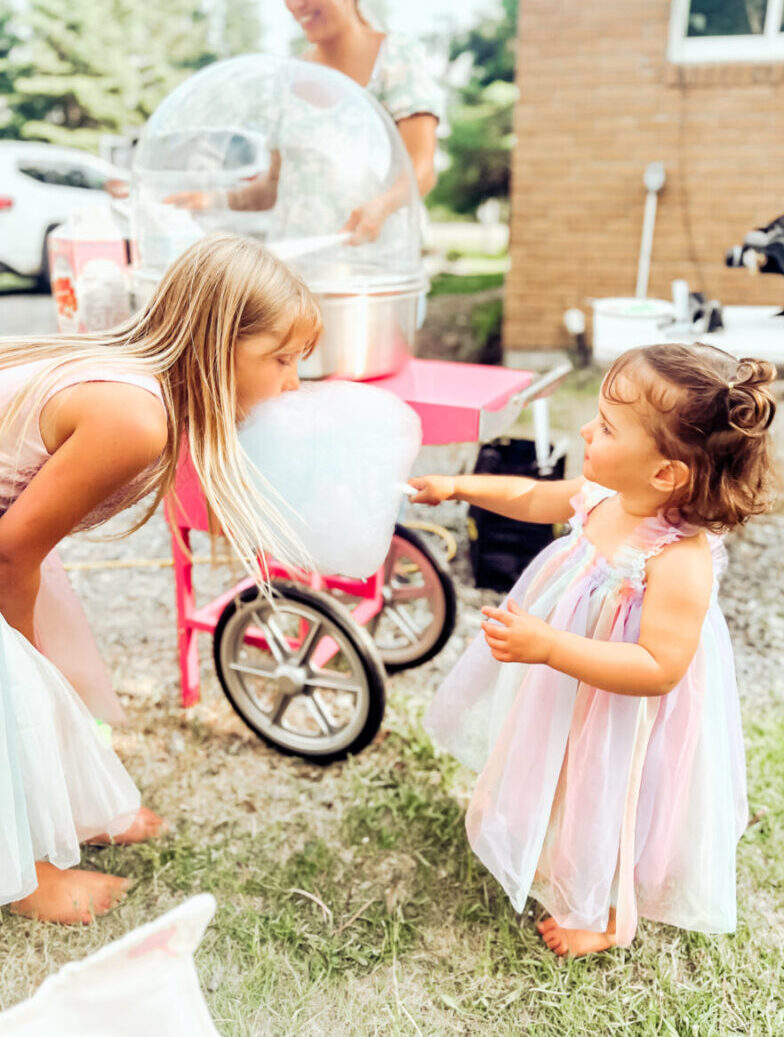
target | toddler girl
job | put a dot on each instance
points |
(600, 708)
(89, 425)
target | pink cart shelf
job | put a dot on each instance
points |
(459, 403)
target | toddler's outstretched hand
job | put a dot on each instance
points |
(516, 637)
(433, 489)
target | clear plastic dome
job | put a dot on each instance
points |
(284, 151)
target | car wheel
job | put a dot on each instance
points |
(45, 275)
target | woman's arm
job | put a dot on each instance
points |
(516, 497)
(104, 434)
(419, 136)
(259, 193)
(676, 600)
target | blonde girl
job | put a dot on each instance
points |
(91, 424)
(600, 707)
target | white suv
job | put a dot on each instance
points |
(40, 184)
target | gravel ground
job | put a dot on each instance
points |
(132, 609)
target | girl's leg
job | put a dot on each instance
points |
(576, 942)
(71, 896)
(146, 825)
(64, 636)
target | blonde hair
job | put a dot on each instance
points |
(223, 288)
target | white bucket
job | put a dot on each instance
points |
(622, 323)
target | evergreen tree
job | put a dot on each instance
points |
(86, 68)
(241, 31)
(492, 46)
(8, 40)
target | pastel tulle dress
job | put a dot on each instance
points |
(588, 800)
(60, 784)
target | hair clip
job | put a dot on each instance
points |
(730, 385)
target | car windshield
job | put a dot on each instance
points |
(64, 174)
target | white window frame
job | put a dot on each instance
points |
(703, 50)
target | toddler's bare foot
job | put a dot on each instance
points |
(145, 825)
(71, 897)
(574, 942)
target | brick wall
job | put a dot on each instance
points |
(598, 102)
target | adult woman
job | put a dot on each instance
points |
(392, 69)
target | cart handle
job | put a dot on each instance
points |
(543, 385)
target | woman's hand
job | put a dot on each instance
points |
(117, 188)
(433, 489)
(516, 637)
(197, 201)
(367, 221)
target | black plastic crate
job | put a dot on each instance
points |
(501, 547)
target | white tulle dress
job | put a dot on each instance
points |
(60, 784)
(588, 800)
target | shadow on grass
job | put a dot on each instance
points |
(389, 916)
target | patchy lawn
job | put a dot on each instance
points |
(348, 901)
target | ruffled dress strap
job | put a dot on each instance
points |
(652, 536)
(585, 500)
(655, 533)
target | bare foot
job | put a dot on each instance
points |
(71, 897)
(574, 942)
(146, 825)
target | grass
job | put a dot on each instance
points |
(455, 284)
(366, 913)
(12, 283)
(349, 903)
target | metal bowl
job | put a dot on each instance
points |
(365, 336)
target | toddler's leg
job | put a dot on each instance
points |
(576, 942)
(71, 896)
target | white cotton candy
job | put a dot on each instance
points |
(142, 984)
(339, 453)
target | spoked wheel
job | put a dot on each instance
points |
(420, 605)
(300, 672)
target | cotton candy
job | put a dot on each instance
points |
(142, 984)
(339, 454)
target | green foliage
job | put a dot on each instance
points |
(481, 138)
(486, 319)
(8, 40)
(241, 31)
(458, 284)
(492, 46)
(77, 69)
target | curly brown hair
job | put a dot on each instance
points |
(717, 413)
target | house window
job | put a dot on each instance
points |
(711, 31)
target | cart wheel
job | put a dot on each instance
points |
(420, 605)
(300, 673)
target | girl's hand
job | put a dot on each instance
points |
(516, 637)
(18, 591)
(433, 489)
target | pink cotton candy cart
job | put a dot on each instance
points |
(306, 669)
